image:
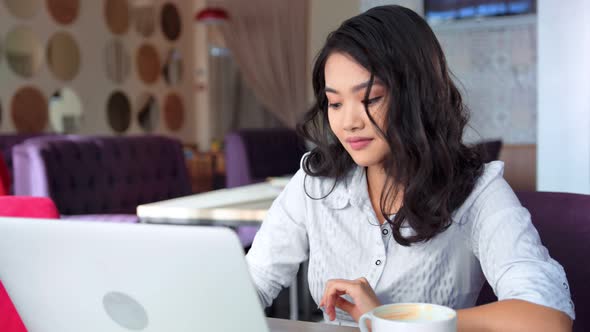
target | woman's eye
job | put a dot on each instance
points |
(334, 106)
(372, 101)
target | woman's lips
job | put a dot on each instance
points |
(358, 143)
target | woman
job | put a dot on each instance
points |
(391, 206)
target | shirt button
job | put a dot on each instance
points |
(378, 262)
(385, 231)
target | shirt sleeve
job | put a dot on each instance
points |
(512, 257)
(281, 244)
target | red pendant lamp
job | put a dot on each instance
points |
(211, 15)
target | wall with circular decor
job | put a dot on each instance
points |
(23, 51)
(117, 61)
(65, 111)
(100, 67)
(143, 17)
(63, 56)
(148, 112)
(116, 14)
(25, 9)
(28, 110)
(64, 11)
(170, 21)
(147, 61)
(173, 112)
(119, 112)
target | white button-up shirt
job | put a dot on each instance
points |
(491, 237)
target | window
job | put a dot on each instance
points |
(461, 9)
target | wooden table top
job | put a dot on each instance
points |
(284, 325)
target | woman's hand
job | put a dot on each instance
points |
(363, 297)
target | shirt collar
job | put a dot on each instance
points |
(352, 188)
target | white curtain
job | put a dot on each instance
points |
(268, 41)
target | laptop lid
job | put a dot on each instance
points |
(97, 276)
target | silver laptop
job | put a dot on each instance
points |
(97, 276)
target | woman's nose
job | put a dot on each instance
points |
(353, 118)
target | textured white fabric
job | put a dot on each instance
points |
(491, 238)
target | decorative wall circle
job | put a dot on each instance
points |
(144, 17)
(29, 110)
(119, 112)
(170, 22)
(23, 8)
(148, 112)
(23, 51)
(64, 11)
(117, 16)
(173, 67)
(173, 112)
(148, 63)
(117, 61)
(65, 111)
(63, 56)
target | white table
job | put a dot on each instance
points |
(246, 205)
(240, 206)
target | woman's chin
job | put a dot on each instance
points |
(365, 161)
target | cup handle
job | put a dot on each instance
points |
(363, 321)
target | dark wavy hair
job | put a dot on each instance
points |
(424, 125)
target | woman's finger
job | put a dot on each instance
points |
(331, 302)
(363, 298)
(327, 287)
(345, 305)
(334, 290)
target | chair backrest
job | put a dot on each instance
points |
(490, 150)
(101, 175)
(16, 206)
(9, 318)
(563, 223)
(4, 178)
(252, 155)
(8, 141)
(28, 207)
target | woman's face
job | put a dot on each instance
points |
(346, 85)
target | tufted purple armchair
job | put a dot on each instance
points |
(490, 150)
(101, 178)
(253, 155)
(563, 223)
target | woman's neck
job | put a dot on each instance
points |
(376, 178)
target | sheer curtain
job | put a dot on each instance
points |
(268, 41)
(233, 103)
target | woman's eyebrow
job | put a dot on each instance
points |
(354, 89)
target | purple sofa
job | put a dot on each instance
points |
(563, 223)
(101, 178)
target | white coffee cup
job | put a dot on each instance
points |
(410, 317)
